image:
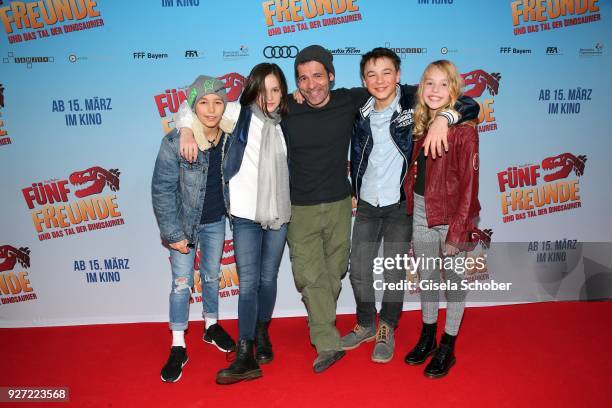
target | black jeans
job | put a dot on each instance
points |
(373, 225)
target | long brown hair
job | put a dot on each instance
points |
(422, 117)
(255, 87)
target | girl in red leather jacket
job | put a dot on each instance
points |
(442, 195)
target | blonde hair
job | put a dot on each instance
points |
(422, 116)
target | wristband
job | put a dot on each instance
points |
(452, 116)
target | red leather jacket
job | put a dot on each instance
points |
(451, 185)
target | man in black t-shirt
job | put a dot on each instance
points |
(318, 136)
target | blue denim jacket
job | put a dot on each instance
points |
(178, 188)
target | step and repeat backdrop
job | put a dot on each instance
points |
(89, 88)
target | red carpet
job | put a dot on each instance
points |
(544, 355)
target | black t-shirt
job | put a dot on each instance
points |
(419, 183)
(214, 205)
(318, 142)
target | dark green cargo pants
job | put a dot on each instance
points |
(319, 244)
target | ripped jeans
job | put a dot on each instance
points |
(211, 238)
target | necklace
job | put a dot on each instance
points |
(215, 140)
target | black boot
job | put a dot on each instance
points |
(243, 368)
(263, 347)
(443, 359)
(425, 346)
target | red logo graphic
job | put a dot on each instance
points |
(99, 176)
(482, 237)
(12, 255)
(480, 80)
(234, 83)
(227, 258)
(567, 162)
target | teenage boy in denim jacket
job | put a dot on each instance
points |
(190, 203)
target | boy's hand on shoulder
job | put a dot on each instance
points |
(436, 141)
(298, 97)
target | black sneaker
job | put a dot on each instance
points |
(173, 369)
(217, 336)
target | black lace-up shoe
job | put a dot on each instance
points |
(443, 358)
(424, 347)
(263, 346)
(243, 368)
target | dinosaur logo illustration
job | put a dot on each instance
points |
(482, 237)
(480, 80)
(227, 258)
(566, 162)
(234, 83)
(9, 256)
(99, 176)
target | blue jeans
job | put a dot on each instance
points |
(212, 238)
(258, 255)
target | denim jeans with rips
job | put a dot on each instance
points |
(211, 241)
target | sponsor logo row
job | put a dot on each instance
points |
(291, 51)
